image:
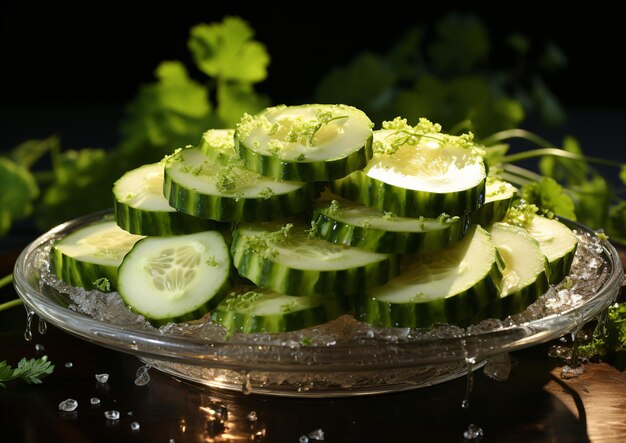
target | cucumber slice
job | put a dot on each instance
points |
(287, 260)
(424, 174)
(218, 145)
(251, 309)
(525, 270)
(91, 253)
(437, 287)
(557, 242)
(305, 143)
(347, 223)
(498, 197)
(141, 208)
(196, 186)
(175, 278)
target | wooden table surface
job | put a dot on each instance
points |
(534, 405)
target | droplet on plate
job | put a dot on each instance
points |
(102, 378)
(142, 377)
(134, 426)
(568, 372)
(68, 405)
(473, 432)
(112, 415)
(39, 348)
(69, 364)
(303, 439)
(95, 401)
(252, 416)
(318, 434)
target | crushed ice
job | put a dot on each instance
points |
(68, 405)
(134, 426)
(102, 378)
(95, 401)
(589, 272)
(473, 432)
(142, 377)
(112, 415)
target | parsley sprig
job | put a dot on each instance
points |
(30, 371)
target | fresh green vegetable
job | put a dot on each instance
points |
(91, 253)
(141, 208)
(609, 338)
(175, 278)
(228, 192)
(498, 197)
(442, 286)
(418, 171)
(252, 309)
(288, 259)
(343, 222)
(305, 143)
(30, 371)
(524, 274)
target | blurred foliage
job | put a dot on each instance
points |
(448, 73)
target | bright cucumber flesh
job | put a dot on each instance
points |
(288, 260)
(525, 270)
(428, 178)
(498, 197)
(91, 253)
(218, 145)
(175, 278)
(557, 242)
(200, 187)
(343, 222)
(141, 208)
(437, 287)
(250, 309)
(305, 143)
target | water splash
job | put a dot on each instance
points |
(28, 333)
(473, 432)
(42, 326)
(246, 386)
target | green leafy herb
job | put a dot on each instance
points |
(609, 339)
(31, 371)
(550, 197)
(102, 284)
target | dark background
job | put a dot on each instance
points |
(71, 70)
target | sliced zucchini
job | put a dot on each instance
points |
(525, 270)
(437, 287)
(218, 145)
(200, 187)
(341, 221)
(175, 278)
(91, 253)
(557, 242)
(498, 197)
(141, 208)
(251, 309)
(305, 143)
(418, 172)
(288, 260)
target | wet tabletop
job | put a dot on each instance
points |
(535, 403)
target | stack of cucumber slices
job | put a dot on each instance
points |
(302, 214)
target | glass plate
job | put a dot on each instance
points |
(343, 357)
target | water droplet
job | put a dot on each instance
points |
(318, 434)
(112, 415)
(28, 334)
(42, 327)
(142, 377)
(246, 386)
(95, 401)
(172, 440)
(258, 435)
(68, 405)
(39, 348)
(473, 432)
(129, 413)
(134, 426)
(303, 439)
(469, 385)
(69, 364)
(102, 378)
(252, 416)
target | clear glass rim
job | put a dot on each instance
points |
(275, 357)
